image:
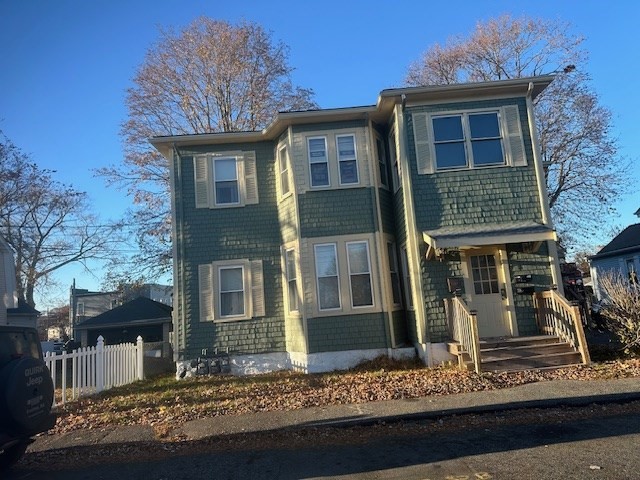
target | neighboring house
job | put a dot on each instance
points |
(13, 311)
(338, 235)
(123, 324)
(622, 254)
(85, 304)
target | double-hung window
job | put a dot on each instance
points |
(407, 278)
(347, 161)
(382, 162)
(359, 274)
(393, 271)
(224, 180)
(226, 191)
(326, 259)
(318, 161)
(290, 266)
(395, 162)
(284, 170)
(467, 140)
(231, 291)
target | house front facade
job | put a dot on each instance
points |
(620, 256)
(335, 236)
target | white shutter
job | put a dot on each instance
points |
(201, 171)
(514, 136)
(250, 178)
(257, 289)
(206, 283)
(422, 143)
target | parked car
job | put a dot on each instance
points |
(26, 392)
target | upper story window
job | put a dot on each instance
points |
(347, 161)
(227, 191)
(395, 161)
(225, 180)
(283, 160)
(318, 161)
(468, 139)
(382, 162)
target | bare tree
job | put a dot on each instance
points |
(210, 77)
(46, 222)
(583, 170)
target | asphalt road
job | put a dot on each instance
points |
(599, 445)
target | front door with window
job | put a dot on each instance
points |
(484, 283)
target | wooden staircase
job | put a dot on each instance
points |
(507, 354)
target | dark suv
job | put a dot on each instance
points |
(26, 392)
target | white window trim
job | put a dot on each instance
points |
(252, 287)
(385, 162)
(213, 161)
(288, 279)
(355, 155)
(396, 171)
(394, 257)
(286, 171)
(219, 292)
(406, 278)
(310, 285)
(467, 141)
(315, 263)
(327, 162)
(373, 299)
(204, 179)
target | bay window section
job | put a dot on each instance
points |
(326, 261)
(359, 274)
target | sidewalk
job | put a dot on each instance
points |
(534, 395)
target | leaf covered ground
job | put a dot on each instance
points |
(165, 403)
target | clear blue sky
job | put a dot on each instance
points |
(66, 66)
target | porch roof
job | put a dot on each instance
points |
(488, 234)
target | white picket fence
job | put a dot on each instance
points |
(94, 369)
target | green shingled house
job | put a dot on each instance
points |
(416, 226)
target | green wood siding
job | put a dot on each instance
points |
(347, 332)
(537, 264)
(249, 232)
(337, 212)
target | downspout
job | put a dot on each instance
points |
(178, 270)
(556, 274)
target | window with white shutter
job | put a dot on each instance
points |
(231, 290)
(468, 139)
(225, 180)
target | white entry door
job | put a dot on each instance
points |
(484, 283)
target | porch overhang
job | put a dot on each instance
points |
(470, 236)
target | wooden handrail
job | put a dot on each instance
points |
(464, 328)
(556, 316)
